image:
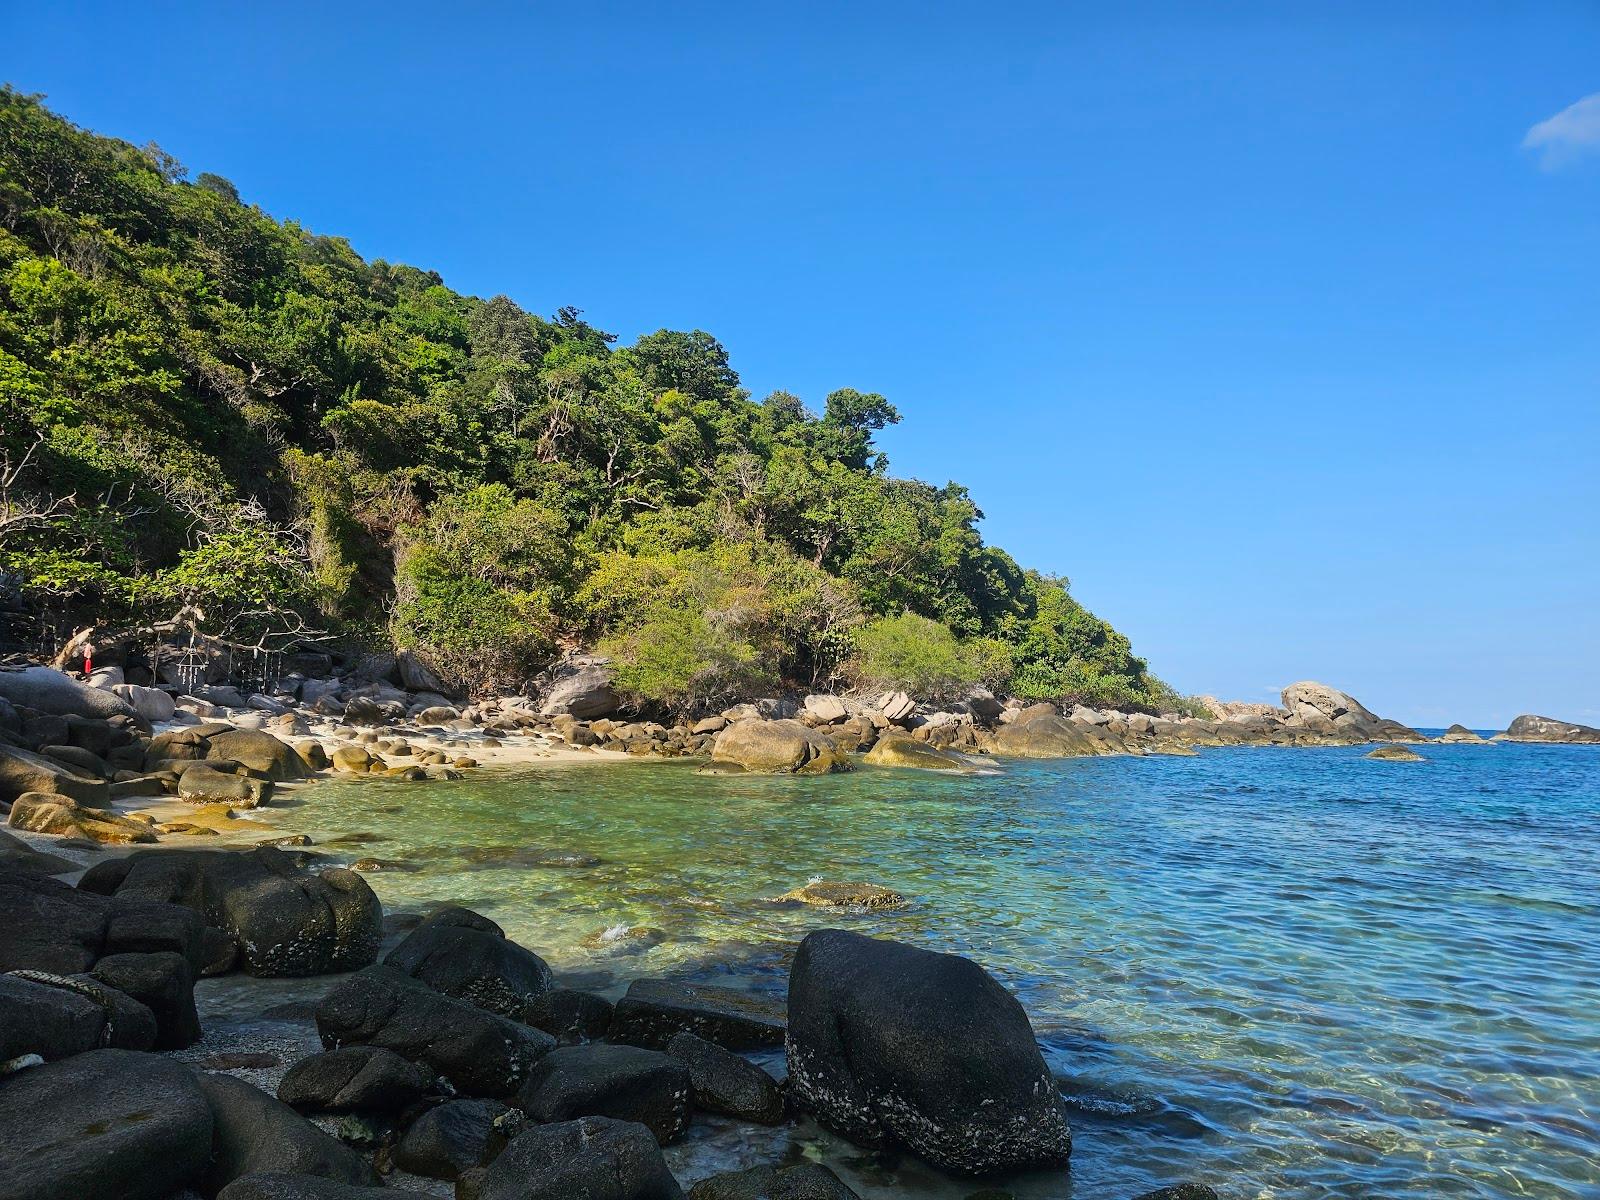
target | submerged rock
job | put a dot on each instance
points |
(901, 750)
(890, 1044)
(822, 894)
(1395, 754)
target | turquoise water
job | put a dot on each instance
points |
(1289, 973)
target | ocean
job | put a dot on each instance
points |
(1282, 972)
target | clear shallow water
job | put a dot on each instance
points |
(1286, 972)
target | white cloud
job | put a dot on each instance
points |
(1569, 135)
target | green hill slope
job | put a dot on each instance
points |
(201, 405)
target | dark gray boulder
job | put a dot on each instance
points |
(1530, 728)
(105, 1125)
(594, 1158)
(22, 771)
(278, 1186)
(17, 855)
(890, 1044)
(806, 1181)
(254, 1133)
(462, 954)
(456, 1137)
(57, 1016)
(722, 1082)
(52, 926)
(571, 1016)
(286, 920)
(1180, 1191)
(266, 756)
(625, 1083)
(653, 1010)
(354, 1079)
(164, 983)
(479, 1052)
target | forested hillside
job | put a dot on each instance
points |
(202, 405)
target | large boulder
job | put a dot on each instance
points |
(416, 675)
(890, 1044)
(480, 1053)
(583, 689)
(593, 1158)
(1529, 728)
(57, 1016)
(804, 1181)
(22, 771)
(50, 691)
(825, 709)
(600, 1080)
(152, 704)
(1046, 735)
(286, 920)
(164, 983)
(354, 1079)
(106, 1125)
(53, 927)
(252, 1133)
(902, 750)
(465, 955)
(47, 812)
(896, 706)
(17, 855)
(260, 751)
(778, 747)
(654, 1010)
(1324, 710)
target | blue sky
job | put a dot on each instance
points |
(1276, 332)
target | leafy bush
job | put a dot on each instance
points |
(919, 656)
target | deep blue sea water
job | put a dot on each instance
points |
(1285, 972)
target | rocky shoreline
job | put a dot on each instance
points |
(458, 1060)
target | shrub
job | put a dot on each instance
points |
(919, 656)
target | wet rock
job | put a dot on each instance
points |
(600, 1080)
(903, 751)
(593, 1158)
(462, 954)
(722, 1082)
(455, 1137)
(1395, 754)
(653, 1010)
(42, 812)
(201, 784)
(354, 1079)
(503, 857)
(571, 1016)
(890, 1044)
(623, 939)
(1046, 736)
(806, 1181)
(22, 771)
(254, 1133)
(105, 1125)
(822, 894)
(1180, 1191)
(480, 1053)
(164, 983)
(286, 920)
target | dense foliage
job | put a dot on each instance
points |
(200, 404)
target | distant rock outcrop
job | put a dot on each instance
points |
(1529, 728)
(1322, 709)
(1461, 735)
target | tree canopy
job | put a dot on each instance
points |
(200, 402)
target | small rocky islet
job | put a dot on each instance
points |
(458, 1058)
